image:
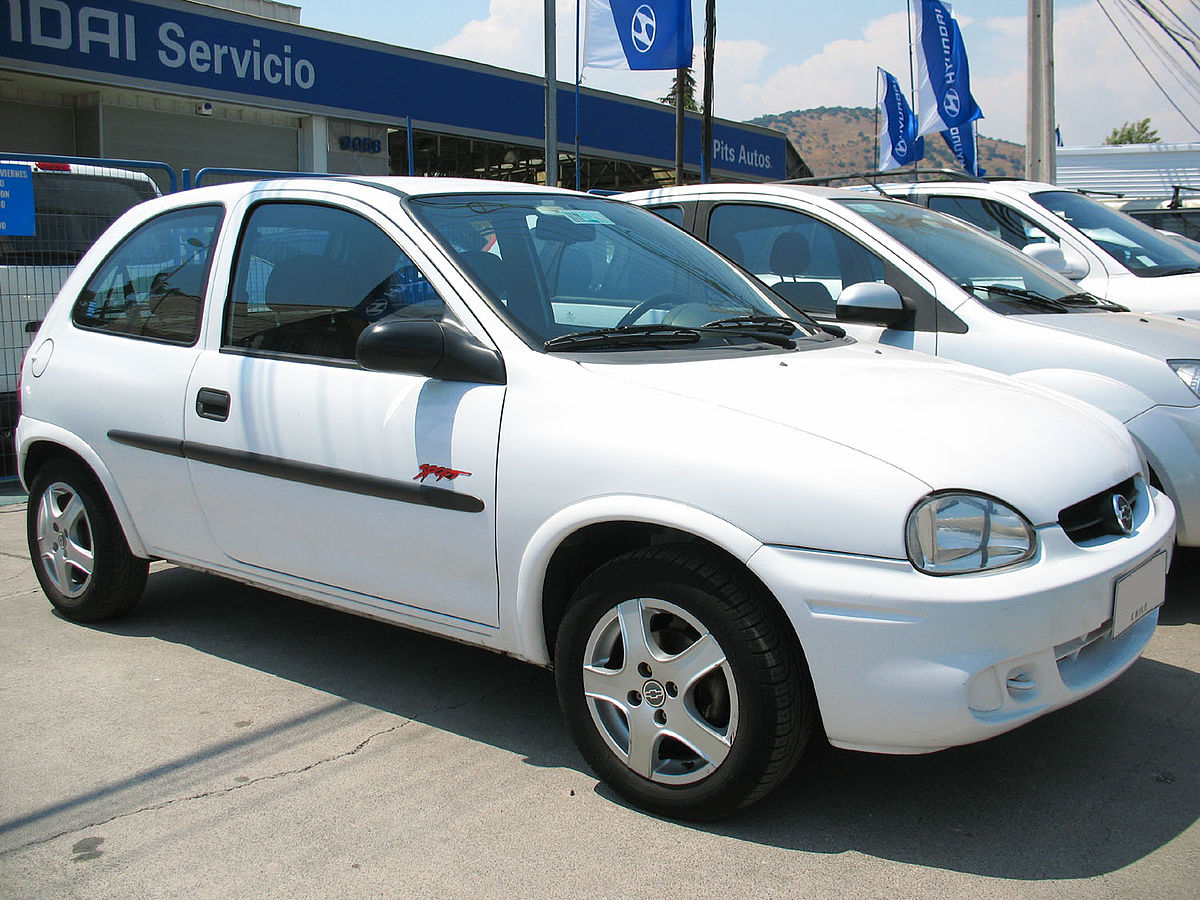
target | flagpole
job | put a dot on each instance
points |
(912, 83)
(710, 37)
(679, 76)
(578, 78)
(551, 100)
(878, 136)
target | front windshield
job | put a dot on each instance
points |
(975, 260)
(1133, 244)
(557, 265)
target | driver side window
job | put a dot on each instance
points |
(309, 279)
(802, 259)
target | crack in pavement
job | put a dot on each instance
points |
(202, 795)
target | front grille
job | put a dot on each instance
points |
(1095, 517)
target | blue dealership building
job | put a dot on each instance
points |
(245, 85)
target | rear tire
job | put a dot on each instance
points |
(77, 546)
(680, 684)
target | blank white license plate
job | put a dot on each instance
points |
(1138, 592)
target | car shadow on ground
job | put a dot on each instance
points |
(1082, 792)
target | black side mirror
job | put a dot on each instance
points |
(872, 303)
(429, 347)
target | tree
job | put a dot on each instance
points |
(689, 91)
(1134, 133)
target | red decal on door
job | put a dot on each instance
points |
(438, 473)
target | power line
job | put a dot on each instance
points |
(1142, 62)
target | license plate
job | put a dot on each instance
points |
(1138, 592)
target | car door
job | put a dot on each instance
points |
(137, 322)
(809, 263)
(379, 485)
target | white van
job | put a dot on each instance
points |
(73, 205)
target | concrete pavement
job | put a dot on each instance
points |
(221, 741)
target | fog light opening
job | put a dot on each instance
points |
(1021, 684)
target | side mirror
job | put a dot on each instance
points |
(872, 303)
(436, 349)
(1049, 255)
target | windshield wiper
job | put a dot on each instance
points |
(623, 336)
(670, 335)
(773, 324)
(1021, 294)
(1085, 299)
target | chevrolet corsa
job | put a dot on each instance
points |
(558, 427)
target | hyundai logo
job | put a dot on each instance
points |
(1124, 513)
(644, 28)
(901, 148)
(951, 103)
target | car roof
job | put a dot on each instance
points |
(81, 170)
(766, 189)
(360, 186)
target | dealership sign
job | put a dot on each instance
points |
(215, 54)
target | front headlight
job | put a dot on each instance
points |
(953, 532)
(1188, 371)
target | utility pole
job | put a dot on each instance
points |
(1039, 111)
(710, 40)
(551, 101)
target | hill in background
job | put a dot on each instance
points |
(839, 139)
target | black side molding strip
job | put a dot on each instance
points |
(304, 473)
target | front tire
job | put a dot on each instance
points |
(679, 683)
(77, 546)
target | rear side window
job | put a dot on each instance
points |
(152, 285)
(996, 219)
(310, 278)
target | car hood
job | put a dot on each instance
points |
(1160, 336)
(1170, 295)
(947, 424)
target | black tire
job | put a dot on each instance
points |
(69, 517)
(756, 697)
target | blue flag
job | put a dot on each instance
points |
(638, 34)
(961, 141)
(943, 79)
(898, 141)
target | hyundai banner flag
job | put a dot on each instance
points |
(961, 141)
(943, 82)
(898, 141)
(638, 34)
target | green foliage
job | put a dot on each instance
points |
(689, 91)
(1138, 132)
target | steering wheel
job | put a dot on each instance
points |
(658, 301)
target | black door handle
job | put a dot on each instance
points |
(212, 404)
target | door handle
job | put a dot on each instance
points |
(212, 404)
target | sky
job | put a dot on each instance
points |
(772, 57)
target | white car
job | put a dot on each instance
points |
(555, 426)
(961, 295)
(1108, 253)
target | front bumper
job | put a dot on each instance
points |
(904, 662)
(1170, 438)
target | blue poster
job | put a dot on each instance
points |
(16, 199)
